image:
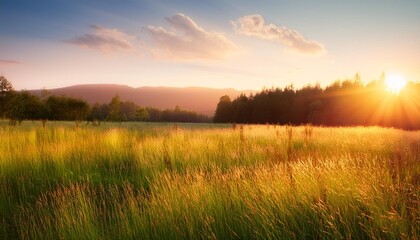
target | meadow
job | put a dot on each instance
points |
(207, 181)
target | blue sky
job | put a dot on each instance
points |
(220, 44)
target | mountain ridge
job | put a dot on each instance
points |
(199, 99)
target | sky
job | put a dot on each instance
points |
(239, 44)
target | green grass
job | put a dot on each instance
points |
(195, 181)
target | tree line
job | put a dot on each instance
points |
(118, 110)
(23, 105)
(343, 103)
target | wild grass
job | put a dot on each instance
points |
(195, 181)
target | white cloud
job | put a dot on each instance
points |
(254, 25)
(104, 39)
(187, 40)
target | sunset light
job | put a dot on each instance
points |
(221, 119)
(395, 83)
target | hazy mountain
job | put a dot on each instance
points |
(199, 99)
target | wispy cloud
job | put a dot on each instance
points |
(185, 39)
(104, 39)
(9, 62)
(254, 25)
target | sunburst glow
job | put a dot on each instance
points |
(395, 83)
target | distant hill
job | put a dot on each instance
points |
(199, 99)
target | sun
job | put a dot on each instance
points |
(395, 83)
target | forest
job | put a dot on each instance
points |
(23, 105)
(343, 103)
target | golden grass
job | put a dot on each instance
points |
(194, 181)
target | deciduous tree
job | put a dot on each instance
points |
(115, 109)
(223, 110)
(6, 93)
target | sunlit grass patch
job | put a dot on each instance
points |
(158, 181)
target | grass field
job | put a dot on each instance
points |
(160, 181)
